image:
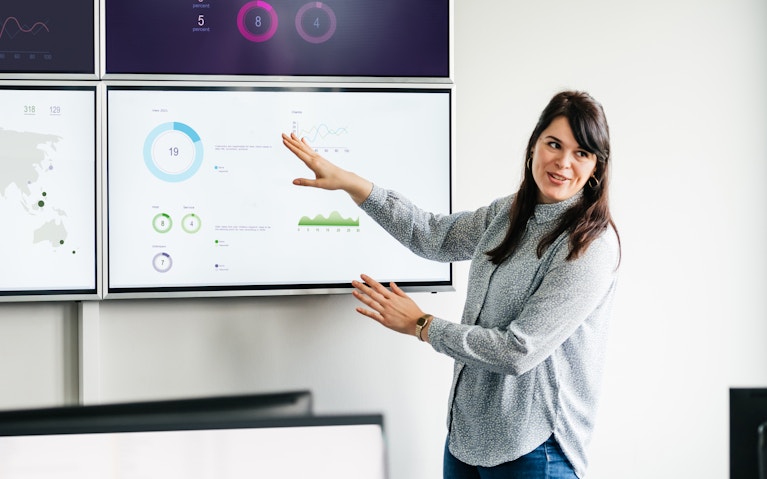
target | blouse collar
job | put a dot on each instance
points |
(552, 211)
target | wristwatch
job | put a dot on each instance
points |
(421, 323)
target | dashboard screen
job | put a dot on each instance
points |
(395, 38)
(47, 36)
(48, 190)
(200, 193)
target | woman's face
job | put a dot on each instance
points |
(560, 166)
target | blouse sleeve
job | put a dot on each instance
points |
(433, 236)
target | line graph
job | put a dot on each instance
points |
(319, 136)
(48, 36)
(321, 131)
(8, 30)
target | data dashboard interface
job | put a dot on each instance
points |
(47, 36)
(48, 190)
(393, 38)
(200, 192)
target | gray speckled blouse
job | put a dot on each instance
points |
(530, 347)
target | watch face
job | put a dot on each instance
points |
(421, 321)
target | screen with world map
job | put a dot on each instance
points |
(48, 191)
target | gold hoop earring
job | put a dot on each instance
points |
(527, 165)
(596, 182)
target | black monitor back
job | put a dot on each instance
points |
(155, 415)
(748, 412)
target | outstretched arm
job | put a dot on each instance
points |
(389, 306)
(327, 176)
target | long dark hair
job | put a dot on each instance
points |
(590, 216)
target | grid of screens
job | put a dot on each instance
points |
(395, 38)
(47, 36)
(217, 215)
(336, 38)
(200, 193)
(48, 193)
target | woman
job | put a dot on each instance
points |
(531, 343)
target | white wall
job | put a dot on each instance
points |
(683, 87)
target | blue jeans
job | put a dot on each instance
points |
(547, 461)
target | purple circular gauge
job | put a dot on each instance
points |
(326, 27)
(162, 262)
(249, 16)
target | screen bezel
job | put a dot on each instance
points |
(296, 288)
(70, 294)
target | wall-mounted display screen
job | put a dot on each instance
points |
(200, 193)
(395, 38)
(48, 191)
(47, 36)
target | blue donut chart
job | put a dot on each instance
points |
(193, 137)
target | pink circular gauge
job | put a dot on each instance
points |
(325, 27)
(255, 25)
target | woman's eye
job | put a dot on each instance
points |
(554, 144)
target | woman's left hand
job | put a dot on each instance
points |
(389, 306)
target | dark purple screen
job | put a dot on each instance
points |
(392, 38)
(47, 36)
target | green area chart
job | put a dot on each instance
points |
(334, 219)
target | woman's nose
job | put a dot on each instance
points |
(564, 159)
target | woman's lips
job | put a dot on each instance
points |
(559, 179)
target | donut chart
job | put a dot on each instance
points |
(162, 262)
(257, 21)
(162, 223)
(191, 223)
(316, 22)
(173, 152)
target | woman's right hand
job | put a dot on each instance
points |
(326, 175)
